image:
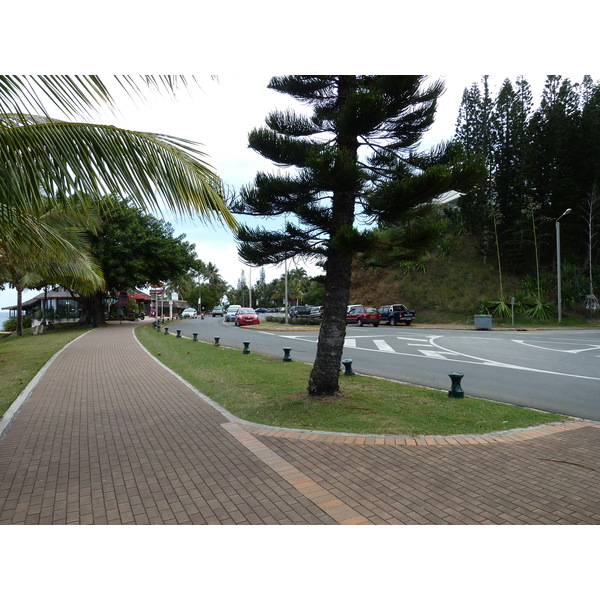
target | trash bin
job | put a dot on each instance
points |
(483, 321)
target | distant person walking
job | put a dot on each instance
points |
(120, 314)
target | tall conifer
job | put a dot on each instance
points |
(354, 168)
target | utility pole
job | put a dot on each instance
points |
(558, 283)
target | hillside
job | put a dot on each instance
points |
(449, 290)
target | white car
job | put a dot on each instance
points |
(189, 313)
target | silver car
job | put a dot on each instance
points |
(231, 312)
(218, 311)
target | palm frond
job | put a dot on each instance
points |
(74, 94)
(154, 170)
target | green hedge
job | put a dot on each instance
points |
(294, 321)
(11, 323)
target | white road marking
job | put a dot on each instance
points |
(491, 363)
(383, 346)
(457, 357)
(438, 354)
(529, 344)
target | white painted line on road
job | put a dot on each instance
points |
(491, 363)
(383, 346)
(524, 343)
(437, 354)
(349, 343)
(456, 357)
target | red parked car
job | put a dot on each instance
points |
(363, 315)
(246, 316)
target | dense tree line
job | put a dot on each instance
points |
(541, 161)
(301, 290)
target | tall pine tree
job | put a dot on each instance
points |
(354, 168)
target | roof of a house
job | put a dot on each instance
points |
(58, 292)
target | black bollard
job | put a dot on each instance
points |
(455, 390)
(347, 362)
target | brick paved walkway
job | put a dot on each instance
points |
(109, 436)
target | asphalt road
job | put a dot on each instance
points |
(554, 370)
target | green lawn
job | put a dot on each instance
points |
(267, 390)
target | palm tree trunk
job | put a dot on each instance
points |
(19, 330)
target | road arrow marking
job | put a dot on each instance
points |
(437, 354)
(383, 346)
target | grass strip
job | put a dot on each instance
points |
(21, 357)
(266, 390)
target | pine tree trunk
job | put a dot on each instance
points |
(325, 375)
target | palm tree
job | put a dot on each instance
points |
(48, 160)
(64, 258)
(299, 283)
(184, 286)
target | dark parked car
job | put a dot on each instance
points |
(362, 315)
(393, 314)
(299, 311)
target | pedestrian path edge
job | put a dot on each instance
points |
(12, 412)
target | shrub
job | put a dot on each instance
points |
(11, 324)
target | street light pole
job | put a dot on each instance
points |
(558, 286)
(285, 304)
(250, 287)
(200, 294)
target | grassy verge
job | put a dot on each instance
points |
(21, 357)
(266, 390)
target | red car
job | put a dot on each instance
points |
(246, 316)
(363, 315)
